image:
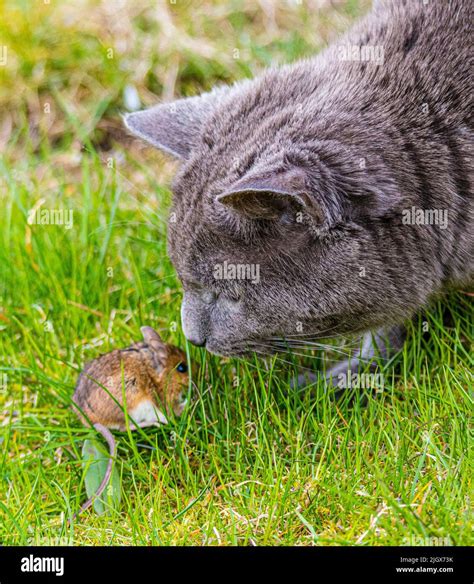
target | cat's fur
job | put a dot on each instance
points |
(307, 170)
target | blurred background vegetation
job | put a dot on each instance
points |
(88, 61)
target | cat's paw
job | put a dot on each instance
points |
(341, 376)
(305, 380)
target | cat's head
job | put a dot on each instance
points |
(271, 229)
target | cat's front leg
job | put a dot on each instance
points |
(376, 347)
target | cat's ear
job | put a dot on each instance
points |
(174, 127)
(272, 196)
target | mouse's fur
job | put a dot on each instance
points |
(146, 372)
(306, 175)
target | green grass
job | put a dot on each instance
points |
(250, 461)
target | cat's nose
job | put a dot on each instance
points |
(192, 320)
(198, 341)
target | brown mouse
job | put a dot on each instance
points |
(154, 378)
(152, 374)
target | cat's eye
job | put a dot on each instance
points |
(182, 368)
(287, 218)
(208, 296)
(234, 296)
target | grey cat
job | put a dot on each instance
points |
(344, 181)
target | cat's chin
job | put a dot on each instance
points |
(241, 350)
(223, 352)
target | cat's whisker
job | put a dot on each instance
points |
(275, 347)
(312, 349)
(283, 344)
(279, 358)
(348, 354)
(325, 337)
(322, 334)
(316, 344)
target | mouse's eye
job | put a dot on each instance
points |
(182, 368)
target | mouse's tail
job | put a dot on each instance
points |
(107, 434)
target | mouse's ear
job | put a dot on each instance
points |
(153, 339)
